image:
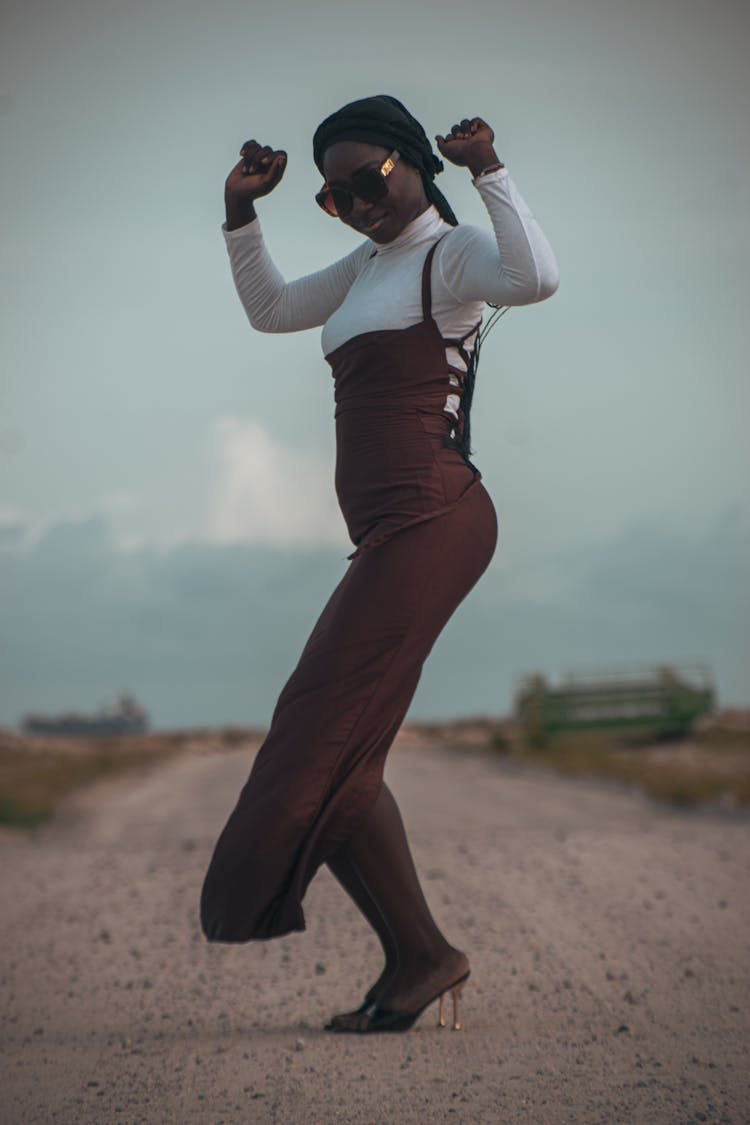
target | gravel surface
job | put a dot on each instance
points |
(608, 936)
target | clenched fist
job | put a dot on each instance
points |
(255, 175)
(469, 144)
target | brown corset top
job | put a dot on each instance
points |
(397, 456)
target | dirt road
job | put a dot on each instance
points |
(609, 940)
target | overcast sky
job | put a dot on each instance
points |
(167, 515)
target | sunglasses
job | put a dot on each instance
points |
(370, 184)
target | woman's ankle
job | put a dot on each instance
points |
(422, 962)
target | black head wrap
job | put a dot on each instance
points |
(383, 120)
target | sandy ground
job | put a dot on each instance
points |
(609, 940)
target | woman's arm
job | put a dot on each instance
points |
(271, 303)
(275, 305)
(518, 266)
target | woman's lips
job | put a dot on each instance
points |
(371, 225)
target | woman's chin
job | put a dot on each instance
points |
(375, 228)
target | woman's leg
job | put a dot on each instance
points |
(379, 854)
(349, 879)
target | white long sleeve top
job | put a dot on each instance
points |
(366, 292)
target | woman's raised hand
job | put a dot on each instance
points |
(469, 144)
(255, 175)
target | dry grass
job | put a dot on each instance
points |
(38, 772)
(712, 765)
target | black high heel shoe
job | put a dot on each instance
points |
(388, 1019)
(367, 1003)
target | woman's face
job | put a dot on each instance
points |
(382, 221)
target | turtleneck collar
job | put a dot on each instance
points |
(421, 229)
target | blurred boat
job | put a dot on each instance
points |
(125, 716)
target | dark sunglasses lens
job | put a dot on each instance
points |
(370, 186)
(341, 201)
(324, 199)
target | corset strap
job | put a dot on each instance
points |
(427, 280)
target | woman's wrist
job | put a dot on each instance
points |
(496, 167)
(240, 212)
(483, 160)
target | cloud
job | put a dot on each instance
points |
(266, 493)
(208, 632)
(199, 632)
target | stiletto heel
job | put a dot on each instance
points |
(455, 993)
(456, 1021)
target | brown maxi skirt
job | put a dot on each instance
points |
(426, 530)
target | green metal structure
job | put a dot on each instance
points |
(661, 701)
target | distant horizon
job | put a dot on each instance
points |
(563, 679)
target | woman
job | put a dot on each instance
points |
(400, 316)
